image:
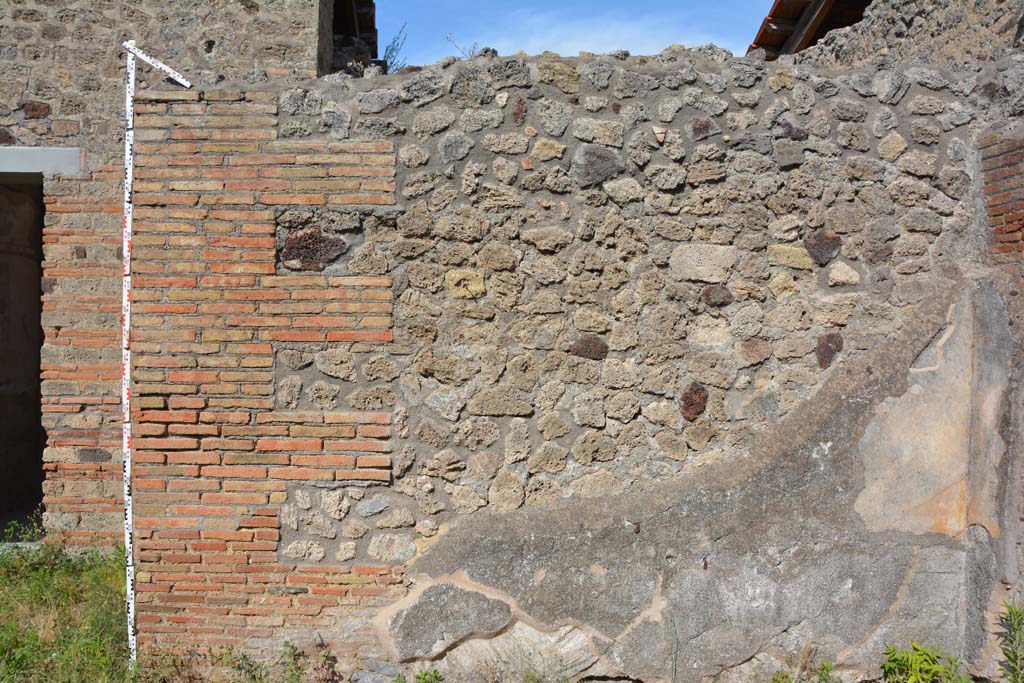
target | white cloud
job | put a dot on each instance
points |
(644, 34)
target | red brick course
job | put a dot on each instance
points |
(1003, 167)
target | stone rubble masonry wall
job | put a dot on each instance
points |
(371, 314)
(606, 273)
(611, 272)
(214, 452)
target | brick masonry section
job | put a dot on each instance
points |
(1003, 167)
(214, 454)
(81, 306)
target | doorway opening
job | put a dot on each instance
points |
(22, 438)
(348, 36)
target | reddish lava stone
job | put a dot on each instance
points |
(828, 346)
(718, 296)
(519, 111)
(693, 401)
(36, 110)
(313, 248)
(589, 346)
(823, 246)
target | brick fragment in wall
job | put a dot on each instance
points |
(36, 110)
(1004, 198)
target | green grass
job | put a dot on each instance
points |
(62, 617)
(62, 620)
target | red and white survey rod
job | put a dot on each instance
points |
(126, 318)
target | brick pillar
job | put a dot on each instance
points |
(1003, 168)
(214, 453)
(80, 358)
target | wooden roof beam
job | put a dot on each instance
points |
(808, 26)
(781, 25)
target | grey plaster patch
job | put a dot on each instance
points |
(918, 449)
(707, 572)
(522, 652)
(442, 616)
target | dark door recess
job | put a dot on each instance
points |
(354, 34)
(356, 19)
(21, 433)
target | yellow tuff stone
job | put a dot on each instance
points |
(783, 285)
(462, 283)
(790, 256)
(781, 79)
(892, 146)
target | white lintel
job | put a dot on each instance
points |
(63, 160)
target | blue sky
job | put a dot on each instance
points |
(568, 26)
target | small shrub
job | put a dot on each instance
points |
(806, 670)
(293, 665)
(1011, 641)
(921, 664)
(323, 667)
(535, 677)
(22, 531)
(244, 667)
(520, 663)
(394, 61)
(824, 672)
(429, 676)
(466, 52)
(163, 667)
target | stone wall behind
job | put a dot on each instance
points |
(936, 31)
(610, 270)
(650, 296)
(64, 65)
